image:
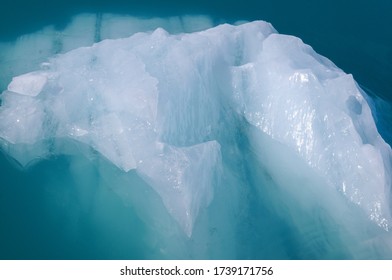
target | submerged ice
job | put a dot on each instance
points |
(185, 110)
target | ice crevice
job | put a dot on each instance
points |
(162, 103)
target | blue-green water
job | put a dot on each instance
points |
(47, 212)
(355, 35)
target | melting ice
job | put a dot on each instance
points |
(243, 133)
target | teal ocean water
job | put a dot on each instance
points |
(353, 34)
(65, 207)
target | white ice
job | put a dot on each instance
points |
(158, 103)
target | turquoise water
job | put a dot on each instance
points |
(47, 212)
(353, 34)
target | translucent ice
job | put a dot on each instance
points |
(171, 107)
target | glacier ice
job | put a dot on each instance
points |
(177, 107)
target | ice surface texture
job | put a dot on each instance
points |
(165, 104)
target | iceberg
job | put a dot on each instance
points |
(208, 119)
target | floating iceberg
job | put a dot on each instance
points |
(198, 114)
